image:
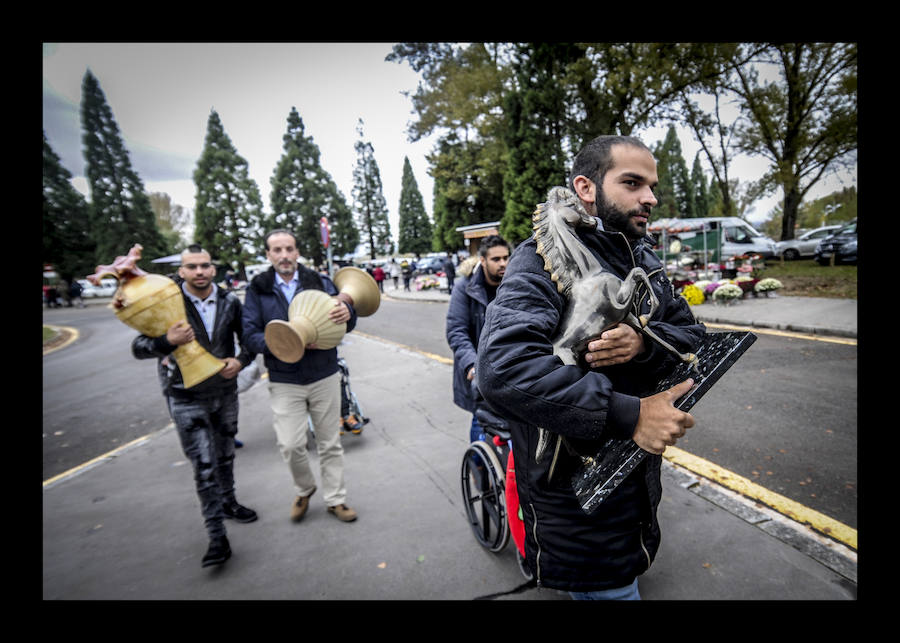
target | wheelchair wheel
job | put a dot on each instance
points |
(483, 495)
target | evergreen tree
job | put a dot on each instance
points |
(120, 210)
(674, 190)
(535, 114)
(368, 199)
(228, 213)
(170, 219)
(415, 234)
(303, 192)
(67, 240)
(699, 189)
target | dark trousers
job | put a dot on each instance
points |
(206, 429)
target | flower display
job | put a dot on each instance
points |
(693, 295)
(768, 284)
(727, 292)
(424, 282)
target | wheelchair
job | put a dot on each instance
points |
(488, 489)
(349, 402)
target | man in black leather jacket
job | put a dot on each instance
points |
(609, 393)
(205, 415)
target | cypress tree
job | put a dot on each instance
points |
(368, 199)
(415, 234)
(303, 192)
(120, 210)
(674, 191)
(700, 189)
(67, 240)
(228, 211)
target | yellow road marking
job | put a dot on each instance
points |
(786, 333)
(785, 506)
(73, 335)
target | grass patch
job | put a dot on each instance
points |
(49, 333)
(806, 278)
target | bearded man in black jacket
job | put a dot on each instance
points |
(608, 393)
(205, 415)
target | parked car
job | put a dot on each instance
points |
(107, 288)
(429, 265)
(804, 245)
(841, 245)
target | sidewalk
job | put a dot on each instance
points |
(129, 527)
(815, 315)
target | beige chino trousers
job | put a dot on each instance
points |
(292, 406)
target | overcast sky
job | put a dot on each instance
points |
(161, 96)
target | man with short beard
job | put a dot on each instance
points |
(465, 316)
(598, 555)
(205, 415)
(307, 389)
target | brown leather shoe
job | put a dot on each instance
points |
(301, 504)
(343, 512)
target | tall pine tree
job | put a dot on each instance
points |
(228, 211)
(303, 192)
(67, 240)
(415, 235)
(674, 192)
(700, 189)
(536, 114)
(368, 199)
(120, 210)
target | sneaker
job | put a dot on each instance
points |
(301, 504)
(343, 512)
(352, 423)
(219, 551)
(239, 513)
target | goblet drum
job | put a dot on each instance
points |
(308, 323)
(151, 304)
(360, 287)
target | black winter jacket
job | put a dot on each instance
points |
(263, 303)
(465, 317)
(226, 331)
(522, 380)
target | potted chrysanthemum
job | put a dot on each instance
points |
(768, 286)
(727, 294)
(693, 295)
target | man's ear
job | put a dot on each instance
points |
(585, 189)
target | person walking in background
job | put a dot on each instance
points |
(308, 388)
(465, 317)
(395, 273)
(378, 275)
(75, 290)
(449, 272)
(556, 411)
(205, 415)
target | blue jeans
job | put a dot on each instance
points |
(475, 431)
(627, 593)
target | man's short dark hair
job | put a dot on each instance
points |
(490, 242)
(595, 159)
(280, 231)
(195, 248)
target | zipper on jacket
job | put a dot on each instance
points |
(646, 553)
(537, 558)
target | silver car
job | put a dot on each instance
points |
(805, 244)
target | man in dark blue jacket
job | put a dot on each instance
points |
(465, 317)
(205, 415)
(607, 394)
(308, 388)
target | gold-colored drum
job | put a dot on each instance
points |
(151, 304)
(308, 324)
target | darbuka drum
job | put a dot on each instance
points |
(150, 304)
(308, 324)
